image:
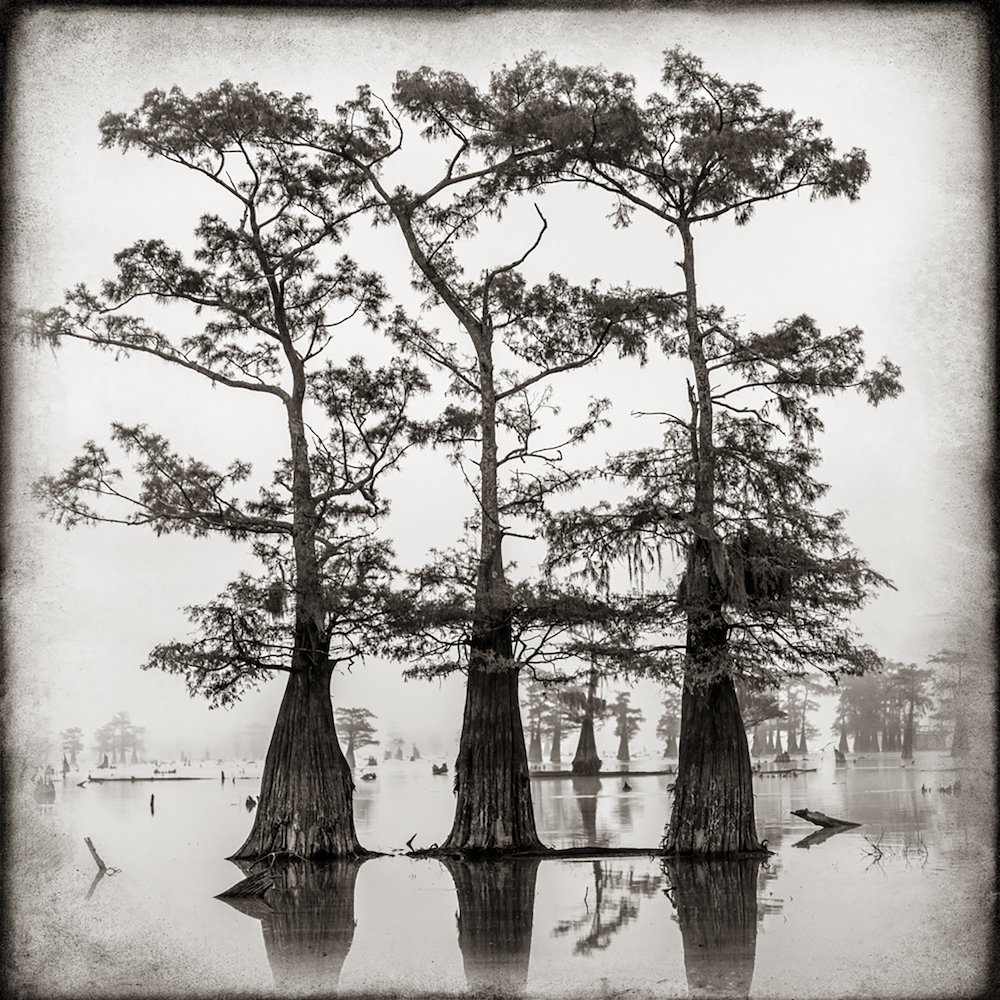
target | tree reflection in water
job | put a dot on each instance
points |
(496, 904)
(716, 909)
(307, 919)
(614, 904)
(585, 789)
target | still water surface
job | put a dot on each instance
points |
(823, 916)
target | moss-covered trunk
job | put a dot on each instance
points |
(493, 808)
(623, 754)
(586, 760)
(713, 811)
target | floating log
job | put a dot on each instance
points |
(821, 819)
(252, 887)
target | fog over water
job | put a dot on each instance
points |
(820, 910)
(896, 907)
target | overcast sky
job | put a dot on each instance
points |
(909, 263)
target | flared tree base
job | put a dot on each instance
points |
(493, 810)
(305, 807)
(713, 811)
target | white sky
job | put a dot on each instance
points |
(910, 263)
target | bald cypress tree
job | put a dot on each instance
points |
(259, 310)
(768, 578)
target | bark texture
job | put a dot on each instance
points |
(306, 790)
(717, 914)
(496, 903)
(493, 809)
(713, 811)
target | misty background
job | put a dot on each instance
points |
(910, 263)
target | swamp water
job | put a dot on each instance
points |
(822, 916)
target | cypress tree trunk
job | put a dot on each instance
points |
(496, 903)
(778, 749)
(493, 809)
(843, 741)
(623, 741)
(672, 746)
(555, 757)
(769, 745)
(586, 760)
(908, 735)
(351, 761)
(535, 748)
(717, 914)
(803, 749)
(793, 743)
(713, 811)
(306, 790)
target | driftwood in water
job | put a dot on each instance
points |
(253, 886)
(821, 819)
(101, 866)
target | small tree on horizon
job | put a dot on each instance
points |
(355, 724)
(72, 743)
(627, 722)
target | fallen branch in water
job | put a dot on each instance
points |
(821, 819)
(102, 867)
